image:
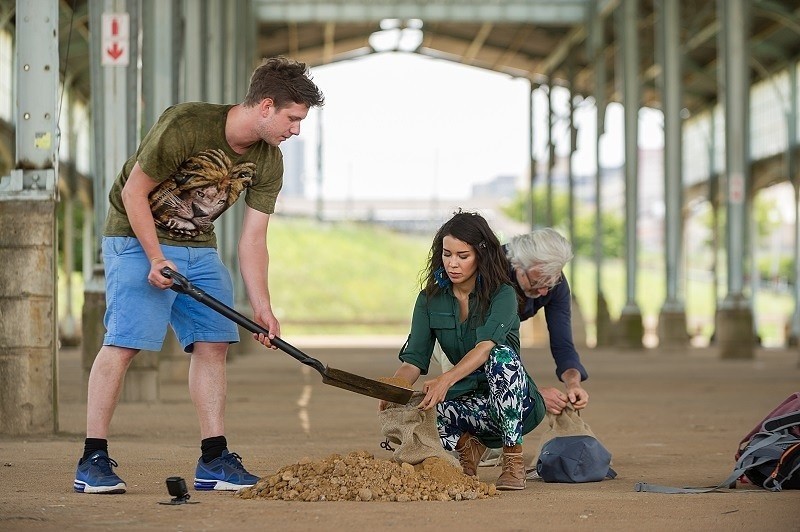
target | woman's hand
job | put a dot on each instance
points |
(435, 391)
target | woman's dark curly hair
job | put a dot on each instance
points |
(472, 228)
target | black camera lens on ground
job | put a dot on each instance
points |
(176, 487)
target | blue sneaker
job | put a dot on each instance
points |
(94, 475)
(225, 473)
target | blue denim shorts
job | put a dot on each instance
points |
(137, 314)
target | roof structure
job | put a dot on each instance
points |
(546, 41)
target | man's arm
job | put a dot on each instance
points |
(555, 400)
(135, 198)
(254, 265)
(558, 314)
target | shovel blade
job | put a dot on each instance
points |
(365, 386)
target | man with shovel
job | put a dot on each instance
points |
(192, 166)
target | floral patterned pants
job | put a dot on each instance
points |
(499, 413)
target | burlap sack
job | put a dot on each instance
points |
(413, 432)
(567, 423)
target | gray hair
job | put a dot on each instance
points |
(544, 249)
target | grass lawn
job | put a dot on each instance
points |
(348, 278)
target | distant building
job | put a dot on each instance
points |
(504, 187)
(294, 168)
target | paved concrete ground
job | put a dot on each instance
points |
(668, 418)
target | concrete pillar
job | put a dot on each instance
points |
(734, 321)
(603, 323)
(28, 243)
(578, 324)
(28, 345)
(94, 306)
(734, 326)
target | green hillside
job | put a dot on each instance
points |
(354, 278)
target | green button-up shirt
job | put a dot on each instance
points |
(438, 319)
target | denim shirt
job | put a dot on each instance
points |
(437, 319)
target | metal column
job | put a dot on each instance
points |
(734, 328)
(161, 47)
(116, 124)
(570, 169)
(551, 153)
(597, 52)
(195, 53)
(532, 154)
(794, 178)
(672, 319)
(631, 328)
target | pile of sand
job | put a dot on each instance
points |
(359, 476)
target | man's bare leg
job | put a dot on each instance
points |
(217, 469)
(105, 386)
(95, 472)
(208, 386)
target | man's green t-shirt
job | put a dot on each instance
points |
(200, 176)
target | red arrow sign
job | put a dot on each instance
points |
(116, 44)
(115, 51)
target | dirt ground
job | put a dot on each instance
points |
(670, 418)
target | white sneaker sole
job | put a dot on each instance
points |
(82, 487)
(217, 485)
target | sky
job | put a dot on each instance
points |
(401, 125)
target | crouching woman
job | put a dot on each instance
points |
(469, 307)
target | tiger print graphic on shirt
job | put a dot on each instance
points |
(203, 187)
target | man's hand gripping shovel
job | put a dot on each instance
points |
(332, 376)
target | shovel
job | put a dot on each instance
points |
(334, 377)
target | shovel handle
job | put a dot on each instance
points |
(182, 285)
